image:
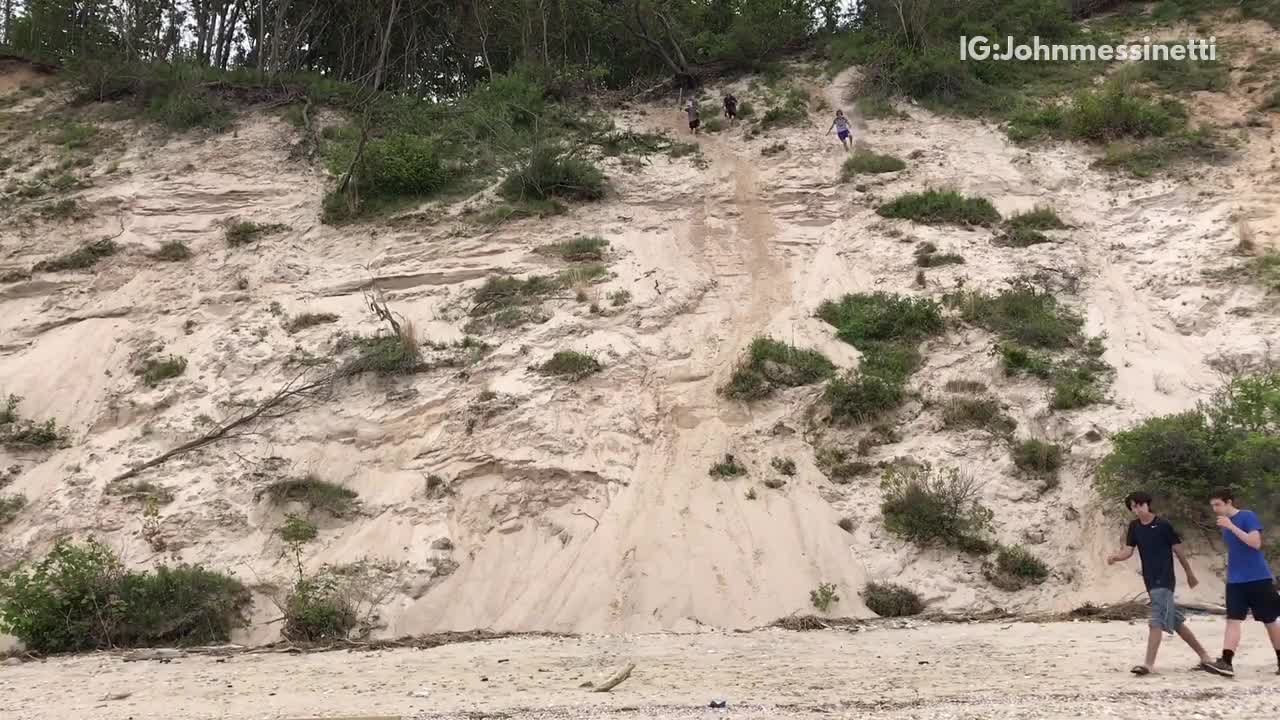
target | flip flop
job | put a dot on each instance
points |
(1140, 670)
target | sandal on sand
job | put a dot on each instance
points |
(1140, 670)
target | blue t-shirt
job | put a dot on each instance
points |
(1244, 564)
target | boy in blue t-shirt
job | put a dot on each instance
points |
(1250, 585)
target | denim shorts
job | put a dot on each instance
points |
(1164, 611)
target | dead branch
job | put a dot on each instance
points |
(292, 391)
(580, 512)
(617, 679)
(378, 306)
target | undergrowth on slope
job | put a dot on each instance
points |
(1232, 439)
(771, 364)
(314, 492)
(936, 207)
(570, 365)
(864, 161)
(887, 330)
(156, 370)
(891, 600)
(928, 506)
(1015, 568)
(1040, 337)
(80, 597)
(83, 258)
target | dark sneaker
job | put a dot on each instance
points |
(1220, 667)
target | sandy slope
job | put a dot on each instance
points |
(928, 671)
(713, 254)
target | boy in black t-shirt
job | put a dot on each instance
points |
(1157, 544)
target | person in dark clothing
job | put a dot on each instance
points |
(1157, 543)
(731, 108)
(1251, 588)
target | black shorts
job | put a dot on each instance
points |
(1260, 598)
(693, 124)
(731, 112)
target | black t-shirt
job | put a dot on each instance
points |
(1155, 542)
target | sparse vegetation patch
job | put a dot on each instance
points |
(891, 600)
(315, 493)
(864, 161)
(937, 207)
(570, 365)
(243, 232)
(727, 467)
(83, 258)
(927, 507)
(80, 597)
(770, 364)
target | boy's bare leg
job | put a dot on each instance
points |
(1189, 638)
(1153, 646)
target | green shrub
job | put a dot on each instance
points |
(1144, 158)
(1115, 112)
(983, 413)
(1179, 458)
(79, 597)
(928, 260)
(860, 397)
(83, 258)
(1024, 314)
(1184, 75)
(313, 492)
(935, 207)
(243, 232)
(75, 135)
(865, 161)
(583, 274)
(549, 173)
(885, 329)
(156, 370)
(793, 109)
(771, 364)
(1272, 102)
(401, 165)
(140, 490)
(1266, 270)
(966, 386)
(9, 411)
(1076, 386)
(173, 251)
(930, 507)
(298, 529)
(824, 596)
(890, 600)
(579, 249)
(570, 365)
(1019, 360)
(303, 321)
(786, 466)
(317, 611)
(618, 298)
(387, 354)
(188, 109)
(728, 467)
(1040, 218)
(10, 506)
(1021, 237)
(863, 318)
(1037, 456)
(1018, 562)
(500, 292)
(29, 433)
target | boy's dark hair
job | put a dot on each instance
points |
(1138, 498)
(1224, 494)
